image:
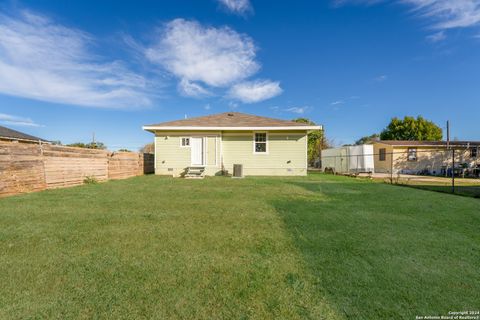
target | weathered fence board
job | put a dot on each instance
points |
(33, 167)
(21, 169)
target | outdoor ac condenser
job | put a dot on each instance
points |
(237, 171)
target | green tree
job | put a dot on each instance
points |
(410, 128)
(316, 141)
(90, 145)
(368, 139)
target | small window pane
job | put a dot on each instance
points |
(185, 142)
(473, 152)
(260, 147)
(383, 154)
(260, 137)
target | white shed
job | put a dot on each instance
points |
(349, 159)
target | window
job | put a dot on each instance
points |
(185, 142)
(260, 142)
(382, 154)
(474, 152)
(412, 154)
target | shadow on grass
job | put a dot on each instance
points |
(468, 191)
(381, 252)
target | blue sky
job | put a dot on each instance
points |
(71, 68)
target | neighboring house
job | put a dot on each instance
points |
(264, 146)
(428, 157)
(10, 135)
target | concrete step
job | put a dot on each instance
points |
(195, 173)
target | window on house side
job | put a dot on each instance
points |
(260, 142)
(185, 142)
(382, 154)
(412, 154)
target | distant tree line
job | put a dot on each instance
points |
(90, 145)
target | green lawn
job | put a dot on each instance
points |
(319, 247)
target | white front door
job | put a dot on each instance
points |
(196, 147)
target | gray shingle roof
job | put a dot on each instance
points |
(7, 133)
(229, 119)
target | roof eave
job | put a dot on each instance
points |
(26, 140)
(200, 128)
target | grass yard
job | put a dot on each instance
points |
(319, 247)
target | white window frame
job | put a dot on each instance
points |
(181, 142)
(266, 142)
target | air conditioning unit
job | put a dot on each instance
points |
(237, 171)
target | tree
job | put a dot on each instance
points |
(148, 148)
(91, 145)
(368, 139)
(123, 150)
(316, 141)
(412, 129)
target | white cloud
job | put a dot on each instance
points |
(192, 89)
(17, 121)
(232, 105)
(255, 91)
(237, 6)
(337, 102)
(339, 3)
(217, 57)
(448, 14)
(42, 60)
(436, 37)
(298, 110)
(207, 106)
(275, 108)
(203, 58)
(445, 14)
(381, 78)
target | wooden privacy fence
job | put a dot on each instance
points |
(32, 167)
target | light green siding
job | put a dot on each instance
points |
(286, 153)
(173, 159)
(211, 148)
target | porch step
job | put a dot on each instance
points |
(195, 173)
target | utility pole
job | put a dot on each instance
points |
(448, 134)
(453, 156)
(448, 146)
(453, 170)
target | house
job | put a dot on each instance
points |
(11, 135)
(214, 143)
(424, 157)
(348, 159)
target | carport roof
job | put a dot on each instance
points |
(414, 143)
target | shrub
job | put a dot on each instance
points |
(90, 180)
